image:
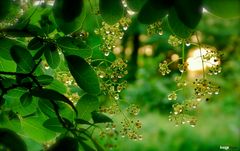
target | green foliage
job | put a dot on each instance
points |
(111, 11)
(83, 73)
(8, 138)
(63, 67)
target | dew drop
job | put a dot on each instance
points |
(106, 53)
(188, 44)
(125, 28)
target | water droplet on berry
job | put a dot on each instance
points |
(125, 28)
(160, 33)
(188, 44)
(106, 53)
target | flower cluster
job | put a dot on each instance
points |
(180, 115)
(163, 68)
(112, 82)
(111, 34)
(204, 87)
(130, 129)
(174, 41)
(155, 28)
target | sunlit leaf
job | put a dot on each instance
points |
(8, 138)
(86, 105)
(223, 8)
(111, 10)
(84, 75)
(32, 127)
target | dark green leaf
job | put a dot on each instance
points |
(11, 141)
(35, 43)
(65, 144)
(86, 147)
(26, 99)
(135, 5)
(5, 6)
(177, 27)
(40, 52)
(162, 4)
(86, 105)
(111, 10)
(47, 22)
(23, 58)
(149, 14)
(84, 75)
(100, 118)
(54, 125)
(46, 107)
(5, 46)
(67, 14)
(45, 79)
(223, 8)
(52, 56)
(82, 121)
(189, 11)
(52, 95)
(72, 46)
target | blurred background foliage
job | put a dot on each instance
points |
(218, 119)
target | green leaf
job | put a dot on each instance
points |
(57, 86)
(189, 11)
(52, 95)
(177, 27)
(149, 14)
(45, 79)
(46, 107)
(162, 4)
(111, 10)
(39, 52)
(82, 121)
(100, 118)
(35, 43)
(22, 58)
(64, 144)
(33, 128)
(223, 8)
(135, 5)
(86, 105)
(11, 141)
(5, 46)
(52, 56)
(72, 46)
(84, 75)
(68, 14)
(86, 147)
(26, 99)
(54, 125)
(5, 6)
